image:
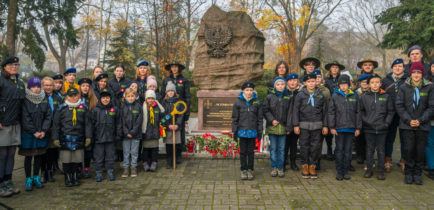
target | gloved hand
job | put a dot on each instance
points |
(57, 143)
(87, 143)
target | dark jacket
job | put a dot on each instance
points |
(71, 136)
(153, 131)
(113, 99)
(106, 123)
(291, 95)
(36, 117)
(331, 83)
(423, 112)
(168, 105)
(118, 88)
(344, 111)
(377, 111)
(182, 88)
(142, 86)
(247, 115)
(11, 98)
(276, 108)
(425, 65)
(131, 120)
(388, 85)
(306, 113)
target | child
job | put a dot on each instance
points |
(89, 100)
(309, 65)
(70, 75)
(376, 107)
(131, 120)
(102, 84)
(276, 106)
(152, 85)
(415, 104)
(58, 85)
(72, 131)
(36, 121)
(360, 142)
(344, 123)
(106, 124)
(49, 159)
(169, 100)
(153, 112)
(333, 72)
(118, 84)
(97, 70)
(292, 83)
(309, 118)
(247, 125)
(391, 84)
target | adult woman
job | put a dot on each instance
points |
(333, 72)
(281, 70)
(97, 70)
(142, 72)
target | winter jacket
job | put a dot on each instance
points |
(388, 85)
(168, 105)
(307, 116)
(291, 95)
(35, 118)
(276, 108)
(247, 115)
(118, 88)
(11, 98)
(331, 83)
(106, 123)
(422, 112)
(142, 86)
(377, 111)
(131, 119)
(71, 136)
(57, 103)
(344, 112)
(153, 130)
(182, 88)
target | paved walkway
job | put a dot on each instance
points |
(215, 184)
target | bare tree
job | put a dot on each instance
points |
(11, 27)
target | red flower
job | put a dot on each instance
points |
(122, 90)
(230, 135)
(80, 106)
(112, 109)
(180, 81)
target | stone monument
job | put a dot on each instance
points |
(230, 51)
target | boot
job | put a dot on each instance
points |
(305, 171)
(347, 177)
(243, 175)
(280, 173)
(29, 184)
(36, 182)
(339, 177)
(430, 174)
(312, 171)
(146, 166)
(125, 173)
(273, 172)
(418, 180)
(133, 172)
(50, 177)
(4, 192)
(44, 177)
(79, 173)
(368, 173)
(351, 168)
(250, 174)
(408, 179)
(68, 180)
(402, 166)
(154, 166)
(318, 166)
(388, 164)
(75, 178)
(111, 174)
(86, 173)
(380, 175)
(98, 177)
(294, 166)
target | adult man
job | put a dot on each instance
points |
(415, 54)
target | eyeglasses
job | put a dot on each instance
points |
(14, 64)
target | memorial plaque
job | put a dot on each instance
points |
(217, 112)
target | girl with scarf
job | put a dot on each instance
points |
(153, 112)
(247, 118)
(70, 75)
(36, 121)
(131, 120)
(276, 107)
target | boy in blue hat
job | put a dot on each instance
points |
(292, 83)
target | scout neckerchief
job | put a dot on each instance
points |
(396, 81)
(416, 94)
(311, 99)
(73, 106)
(50, 101)
(142, 85)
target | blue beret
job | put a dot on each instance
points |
(291, 76)
(397, 61)
(143, 63)
(363, 77)
(9, 60)
(316, 72)
(414, 47)
(70, 70)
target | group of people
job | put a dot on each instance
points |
(56, 119)
(366, 111)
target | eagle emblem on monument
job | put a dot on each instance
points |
(217, 38)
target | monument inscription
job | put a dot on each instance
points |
(217, 112)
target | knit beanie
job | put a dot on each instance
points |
(170, 87)
(151, 81)
(279, 79)
(150, 94)
(417, 67)
(34, 81)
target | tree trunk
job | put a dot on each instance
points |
(106, 36)
(188, 33)
(87, 42)
(11, 27)
(101, 22)
(157, 42)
